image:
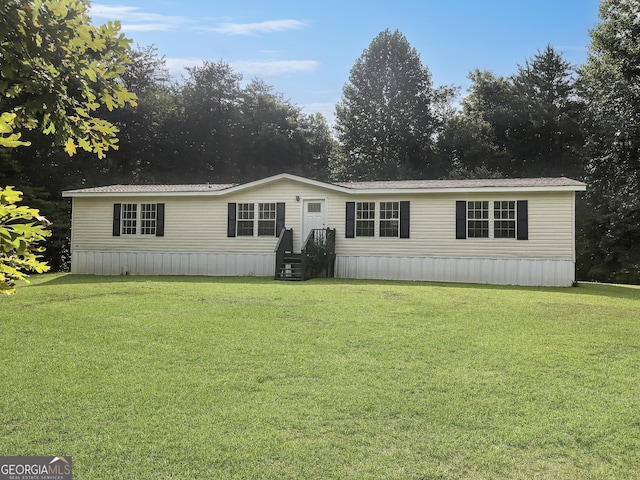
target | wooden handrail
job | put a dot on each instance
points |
(319, 252)
(325, 237)
(285, 240)
(285, 244)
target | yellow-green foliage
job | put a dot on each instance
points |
(21, 228)
(7, 137)
(57, 70)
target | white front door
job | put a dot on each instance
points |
(313, 216)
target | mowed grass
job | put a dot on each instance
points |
(244, 378)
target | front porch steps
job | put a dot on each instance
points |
(290, 269)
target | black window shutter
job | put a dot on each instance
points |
(404, 219)
(523, 220)
(231, 220)
(461, 219)
(116, 219)
(160, 220)
(279, 218)
(350, 226)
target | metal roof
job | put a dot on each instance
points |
(414, 186)
(475, 183)
(205, 187)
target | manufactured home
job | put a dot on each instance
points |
(499, 231)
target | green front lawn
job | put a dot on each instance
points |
(173, 377)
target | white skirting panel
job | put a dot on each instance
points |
(500, 271)
(166, 263)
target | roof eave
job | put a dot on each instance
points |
(75, 193)
(288, 176)
(400, 191)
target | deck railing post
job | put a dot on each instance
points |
(285, 244)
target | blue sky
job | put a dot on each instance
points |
(305, 50)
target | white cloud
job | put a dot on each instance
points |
(134, 19)
(274, 67)
(259, 27)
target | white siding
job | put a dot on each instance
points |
(192, 224)
(433, 229)
(196, 242)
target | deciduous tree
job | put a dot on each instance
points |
(208, 117)
(56, 70)
(145, 138)
(21, 230)
(385, 120)
(612, 86)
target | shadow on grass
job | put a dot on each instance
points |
(630, 292)
(73, 279)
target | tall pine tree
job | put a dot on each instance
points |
(546, 135)
(525, 125)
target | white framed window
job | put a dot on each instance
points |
(504, 219)
(129, 219)
(478, 219)
(389, 219)
(148, 218)
(246, 215)
(365, 219)
(266, 219)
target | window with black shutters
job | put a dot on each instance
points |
(507, 219)
(138, 219)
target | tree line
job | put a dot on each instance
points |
(549, 118)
